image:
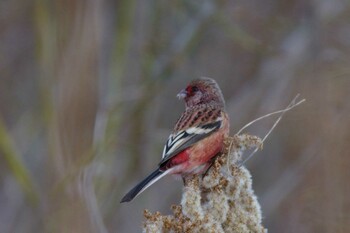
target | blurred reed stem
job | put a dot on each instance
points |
(16, 166)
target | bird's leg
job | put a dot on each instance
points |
(184, 180)
(212, 161)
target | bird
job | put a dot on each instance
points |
(197, 138)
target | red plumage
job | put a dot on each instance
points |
(198, 135)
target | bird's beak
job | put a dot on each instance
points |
(182, 94)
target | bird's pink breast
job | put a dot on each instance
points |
(191, 160)
(181, 157)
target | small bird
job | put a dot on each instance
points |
(198, 135)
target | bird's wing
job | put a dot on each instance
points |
(185, 138)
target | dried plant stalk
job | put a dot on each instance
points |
(222, 201)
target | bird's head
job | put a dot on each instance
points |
(202, 91)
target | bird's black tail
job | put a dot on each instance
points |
(153, 177)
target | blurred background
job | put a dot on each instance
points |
(88, 97)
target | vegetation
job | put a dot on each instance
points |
(87, 99)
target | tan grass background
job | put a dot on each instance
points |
(87, 99)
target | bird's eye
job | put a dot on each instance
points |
(191, 90)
